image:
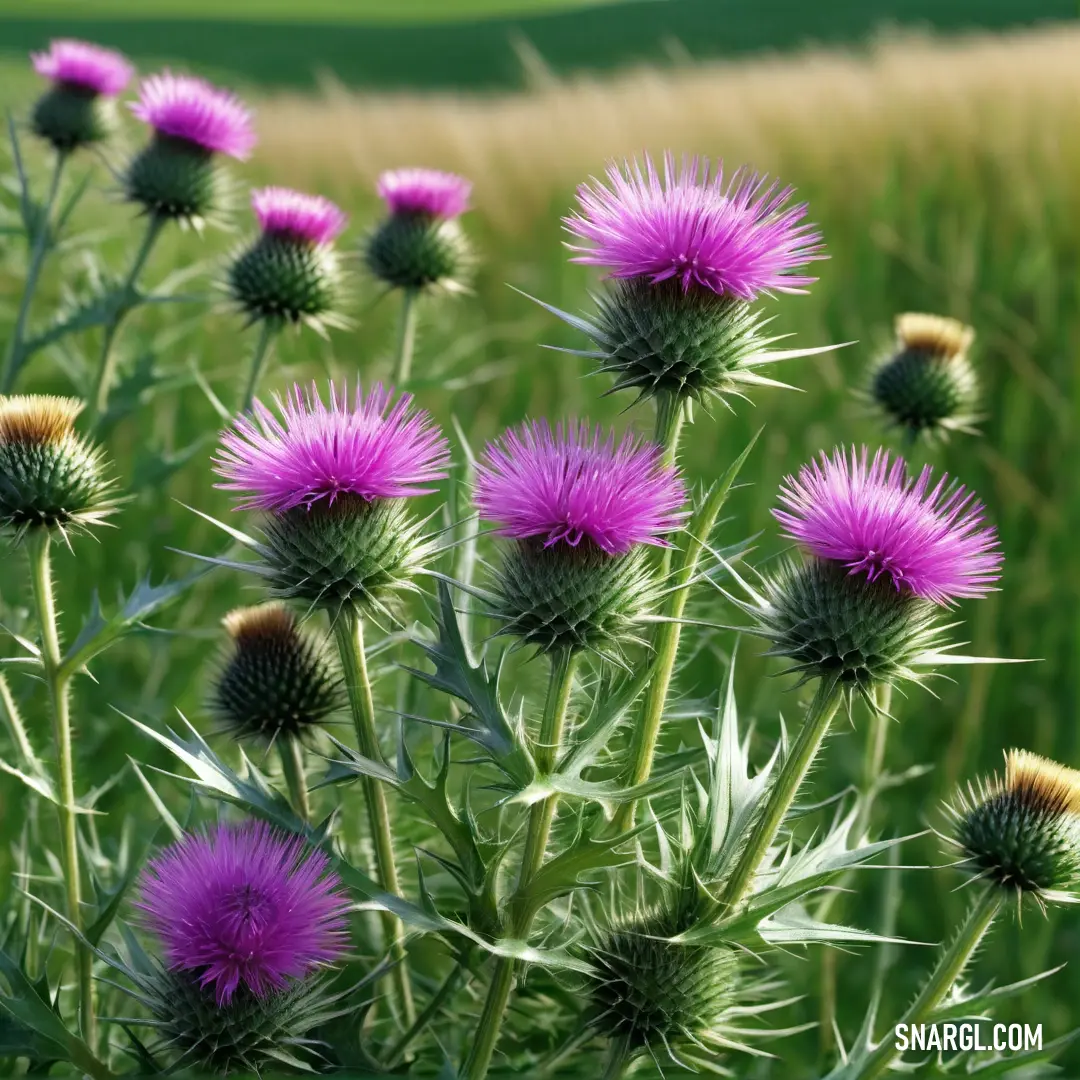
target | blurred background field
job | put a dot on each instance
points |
(945, 174)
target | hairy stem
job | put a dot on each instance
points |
(39, 249)
(349, 633)
(406, 337)
(671, 411)
(618, 1059)
(264, 346)
(541, 814)
(949, 968)
(57, 680)
(127, 299)
(292, 765)
(784, 789)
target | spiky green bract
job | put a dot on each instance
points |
(248, 1035)
(50, 477)
(277, 679)
(284, 279)
(176, 179)
(1023, 832)
(419, 251)
(651, 992)
(564, 597)
(351, 552)
(841, 628)
(70, 116)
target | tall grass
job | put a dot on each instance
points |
(945, 177)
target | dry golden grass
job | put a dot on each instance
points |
(828, 118)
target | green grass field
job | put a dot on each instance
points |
(942, 182)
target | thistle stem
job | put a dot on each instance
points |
(563, 667)
(671, 411)
(406, 337)
(349, 633)
(427, 1014)
(792, 773)
(57, 680)
(127, 300)
(292, 765)
(39, 249)
(618, 1059)
(949, 968)
(264, 346)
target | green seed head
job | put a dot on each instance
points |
(50, 477)
(284, 279)
(277, 680)
(70, 116)
(928, 386)
(843, 628)
(351, 553)
(563, 597)
(419, 251)
(1023, 832)
(176, 179)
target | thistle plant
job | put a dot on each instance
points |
(290, 274)
(420, 246)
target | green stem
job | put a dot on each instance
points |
(429, 1012)
(949, 968)
(785, 787)
(292, 765)
(671, 411)
(618, 1059)
(38, 250)
(263, 348)
(349, 633)
(406, 337)
(560, 684)
(57, 680)
(99, 397)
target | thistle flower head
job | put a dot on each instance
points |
(575, 485)
(50, 477)
(82, 64)
(926, 385)
(929, 539)
(1023, 831)
(371, 448)
(277, 680)
(291, 271)
(430, 192)
(194, 111)
(244, 907)
(735, 237)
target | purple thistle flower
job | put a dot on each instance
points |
(316, 452)
(245, 904)
(424, 191)
(198, 112)
(80, 63)
(871, 516)
(575, 483)
(309, 219)
(737, 238)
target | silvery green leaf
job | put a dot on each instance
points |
(795, 926)
(983, 1001)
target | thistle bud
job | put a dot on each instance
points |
(50, 477)
(79, 109)
(582, 512)
(928, 386)
(277, 680)
(177, 175)
(1023, 832)
(420, 244)
(335, 482)
(291, 272)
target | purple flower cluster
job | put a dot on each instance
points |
(424, 191)
(191, 109)
(868, 514)
(575, 483)
(245, 905)
(80, 63)
(734, 236)
(310, 219)
(316, 452)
